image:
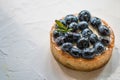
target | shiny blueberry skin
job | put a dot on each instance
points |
(105, 40)
(73, 26)
(69, 37)
(99, 47)
(63, 22)
(66, 47)
(95, 22)
(75, 52)
(93, 38)
(70, 18)
(82, 25)
(84, 15)
(56, 34)
(76, 37)
(103, 30)
(86, 32)
(83, 43)
(88, 53)
(72, 37)
(60, 40)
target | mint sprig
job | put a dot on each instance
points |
(62, 28)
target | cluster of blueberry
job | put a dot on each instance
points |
(81, 41)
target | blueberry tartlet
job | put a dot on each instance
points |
(82, 42)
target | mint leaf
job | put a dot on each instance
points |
(69, 30)
(62, 28)
(60, 25)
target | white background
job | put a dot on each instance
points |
(24, 39)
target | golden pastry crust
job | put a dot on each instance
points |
(81, 64)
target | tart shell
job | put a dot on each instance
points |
(82, 64)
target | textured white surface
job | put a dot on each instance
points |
(24, 39)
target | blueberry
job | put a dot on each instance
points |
(86, 32)
(105, 40)
(63, 22)
(69, 37)
(84, 15)
(76, 37)
(99, 47)
(93, 38)
(75, 52)
(72, 37)
(83, 43)
(88, 53)
(56, 34)
(103, 30)
(73, 26)
(95, 22)
(60, 40)
(82, 25)
(70, 18)
(66, 47)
